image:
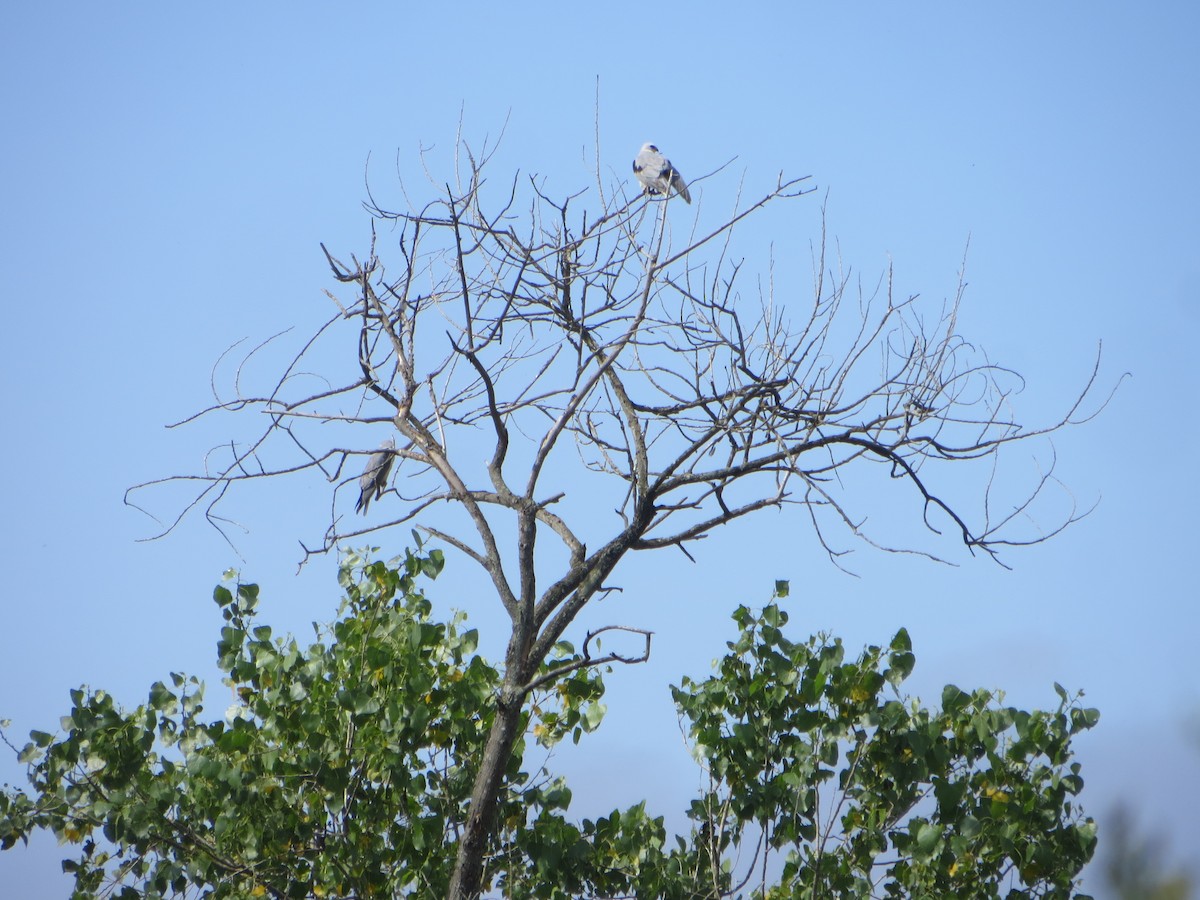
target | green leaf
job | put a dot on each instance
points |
(235, 740)
(1083, 719)
(927, 837)
(432, 566)
(247, 596)
(594, 714)
(161, 697)
(953, 699)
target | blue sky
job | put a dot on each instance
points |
(169, 173)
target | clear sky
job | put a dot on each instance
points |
(169, 172)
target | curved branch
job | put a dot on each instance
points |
(588, 661)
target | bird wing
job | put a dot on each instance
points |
(373, 481)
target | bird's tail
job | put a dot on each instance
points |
(681, 187)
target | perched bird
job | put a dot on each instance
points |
(373, 480)
(657, 175)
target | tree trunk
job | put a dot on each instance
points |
(506, 728)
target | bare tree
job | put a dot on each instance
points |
(584, 339)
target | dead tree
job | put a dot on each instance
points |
(583, 338)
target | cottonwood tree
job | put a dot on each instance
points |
(343, 769)
(610, 337)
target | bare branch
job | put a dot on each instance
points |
(588, 661)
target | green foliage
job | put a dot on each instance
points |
(344, 769)
(865, 793)
(340, 770)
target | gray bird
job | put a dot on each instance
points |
(373, 480)
(657, 175)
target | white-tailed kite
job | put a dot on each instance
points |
(373, 481)
(657, 175)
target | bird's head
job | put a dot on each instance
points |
(649, 147)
